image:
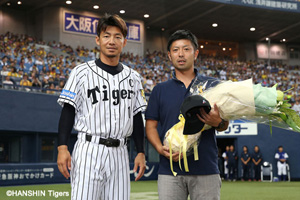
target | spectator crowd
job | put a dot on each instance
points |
(25, 63)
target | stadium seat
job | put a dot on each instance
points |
(266, 172)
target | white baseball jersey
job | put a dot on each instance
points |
(105, 104)
(281, 167)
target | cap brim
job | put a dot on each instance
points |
(191, 128)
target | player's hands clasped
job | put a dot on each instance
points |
(64, 161)
(140, 162)
(165, 151)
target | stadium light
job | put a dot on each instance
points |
(267, 39)
(8, 3)
(146, 15)
(283, 40)
(96, 7)
(224, 49)
(68, 2)
(122, 11)
(214, 25)
(252, 29)
(19, 2)
(201, 46)
(162, 29)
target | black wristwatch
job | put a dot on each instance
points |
(221, 124)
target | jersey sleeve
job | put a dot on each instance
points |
(70, 92)
(286, 156)
(140, 104)
(277, 156)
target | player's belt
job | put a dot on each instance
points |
(109, 142)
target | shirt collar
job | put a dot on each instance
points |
(174, 75)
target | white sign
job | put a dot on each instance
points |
(277, 51)
(237, 129)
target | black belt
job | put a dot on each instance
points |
(109, 142)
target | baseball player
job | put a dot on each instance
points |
(103, 100)
(281, 156)
(224, 155)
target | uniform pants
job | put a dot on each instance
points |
(232, 170)
(99, 172)
(257, 171)
(246, 171)
(226, 169)
(199, 187)
(281, 168)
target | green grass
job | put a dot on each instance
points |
(147, 190)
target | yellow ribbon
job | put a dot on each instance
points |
(183, 145)
(186, 167)
(196, 157)
(170, 150)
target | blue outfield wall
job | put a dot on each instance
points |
(24, 112)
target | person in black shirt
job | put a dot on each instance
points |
(257, 160)
(245, 158)
(232, 165)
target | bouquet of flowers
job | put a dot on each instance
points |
(236, 100)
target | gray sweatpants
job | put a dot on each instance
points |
(201, 187)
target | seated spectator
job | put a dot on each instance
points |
(25, 81)
(13, 72)
(36, 82)
(51, 89)
(4, 71)
(4, 62)
(296, 107)
(56, 78)
(45, 83)
(7, 81)
(34, 69)
(53, 72)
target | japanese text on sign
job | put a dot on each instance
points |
(20, 174)
(80, 24)
(75, 23)
(236, 129)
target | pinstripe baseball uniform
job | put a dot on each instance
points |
(104, 105)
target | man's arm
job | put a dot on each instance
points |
(139, 141)
(153, 137)
(65, 126)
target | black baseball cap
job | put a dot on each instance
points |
(189, 109)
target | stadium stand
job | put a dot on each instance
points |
(49, 65)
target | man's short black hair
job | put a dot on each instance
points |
(111, 20)
(183, 34)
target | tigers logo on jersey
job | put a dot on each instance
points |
(116, 95)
